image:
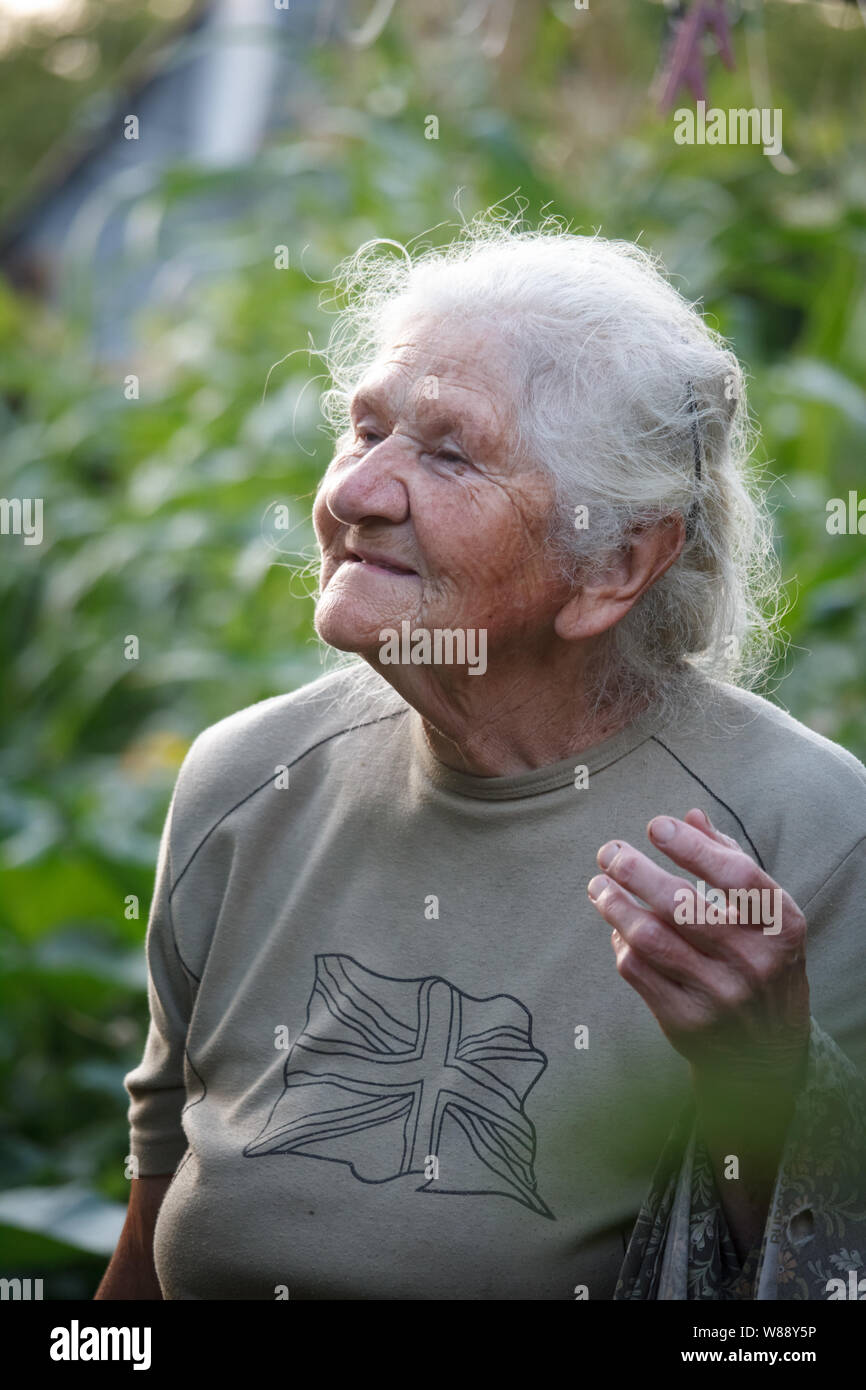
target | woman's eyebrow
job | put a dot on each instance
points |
(433, 422)
(442, 424)
(440, 421)
(362, 401)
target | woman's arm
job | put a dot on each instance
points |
(726, 980)
(682, 1245)
(131, 1273)
(748, 1122)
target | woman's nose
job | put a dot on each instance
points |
(371, 486)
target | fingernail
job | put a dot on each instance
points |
(596, 886)
(662, 829)
(608, 853)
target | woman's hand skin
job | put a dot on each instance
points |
(732, 998)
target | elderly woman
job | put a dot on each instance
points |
(478, 966)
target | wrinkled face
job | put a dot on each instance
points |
(426, 513)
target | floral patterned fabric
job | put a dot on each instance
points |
(816, 1228)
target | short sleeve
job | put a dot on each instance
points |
(156, 1086)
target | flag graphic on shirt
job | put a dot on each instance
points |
(388, 1073)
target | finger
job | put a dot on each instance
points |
(714, 930)
(667, 1000)
(701, 821)
(659, 945)
(718, 864)
(663, 892)
(754, 899)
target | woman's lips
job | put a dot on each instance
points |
(384, 566)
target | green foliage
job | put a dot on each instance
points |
(158, 511)
(59, 70)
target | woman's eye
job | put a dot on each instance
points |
(369, 436)
(449, 456)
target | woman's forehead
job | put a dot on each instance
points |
(456, 400)
(436, 361)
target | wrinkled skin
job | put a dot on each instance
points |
(437, 485)
(731, 998)
(434, 484)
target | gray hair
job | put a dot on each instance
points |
(635, 408)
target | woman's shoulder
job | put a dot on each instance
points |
(798, 796)
(232, 759)
(742, 727)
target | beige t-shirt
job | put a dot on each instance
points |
(390, 1055)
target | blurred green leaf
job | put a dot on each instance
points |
(71, 1215)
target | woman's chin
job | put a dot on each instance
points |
(349, 631)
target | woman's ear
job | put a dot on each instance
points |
(599, 603)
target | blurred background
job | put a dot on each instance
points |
(178, 182)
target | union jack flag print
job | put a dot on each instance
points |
(389, 1073)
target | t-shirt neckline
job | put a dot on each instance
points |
(537, 780)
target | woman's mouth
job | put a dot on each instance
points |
(379, 562)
